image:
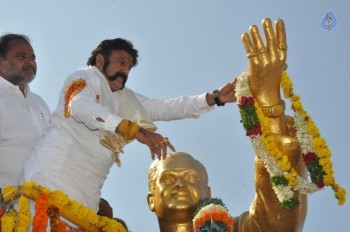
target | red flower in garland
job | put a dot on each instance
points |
(255, 131)
(320, 184)
(245, 100)
(309, 157)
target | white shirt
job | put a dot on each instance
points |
(22, 120)
(70, 157)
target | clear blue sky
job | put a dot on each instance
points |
(190, 47)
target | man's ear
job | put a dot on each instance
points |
(100, 60)
(150, 201)
(2, 60)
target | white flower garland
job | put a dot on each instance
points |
(284, 193)
(209, 208)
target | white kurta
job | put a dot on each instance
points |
(22, 120)
(70, 157)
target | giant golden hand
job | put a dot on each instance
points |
(266, 61)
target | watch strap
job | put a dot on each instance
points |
(217, 98)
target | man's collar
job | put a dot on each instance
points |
(5, 84)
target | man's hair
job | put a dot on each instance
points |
(7, 40)
(153, 170)
(107, 46)
(104, 200)
(122, 222)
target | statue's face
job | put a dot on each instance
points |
(179, 186)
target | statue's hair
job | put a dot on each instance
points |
(153, 170)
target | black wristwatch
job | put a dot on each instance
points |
(217, 99)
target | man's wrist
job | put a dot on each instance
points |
(217, 100)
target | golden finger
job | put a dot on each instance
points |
(270, 38)
(259, 44)
(251, 54)
(283, 47)
(249, 48)
(281, 39)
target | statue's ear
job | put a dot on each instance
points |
(150, 201)
(208, 194)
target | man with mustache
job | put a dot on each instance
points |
(23, 114)
(97, 115)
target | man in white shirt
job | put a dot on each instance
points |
(97, 115)
(23, 114)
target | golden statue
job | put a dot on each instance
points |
(179, 182)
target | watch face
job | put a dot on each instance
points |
(216, 94)
(217, 99)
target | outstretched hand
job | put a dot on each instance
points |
(227, 92)
(157, 144)
(266, 61)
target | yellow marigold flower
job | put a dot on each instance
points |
(328, 168)
(324, 153)
(291, 176)
(74, 207)
(323, 161)
(60, 198)
(284, 163)
(312, 129)
(328, 180)
(7, 188)
(297, 106)
(295, 98)
(286, 85)
(318, 143)
(23, 216)
(8, 221)
(264, 122)
(340, 193)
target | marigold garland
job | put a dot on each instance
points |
(72, 89)
(316, 153)
(8, 221)
(56, 198)
(23, 216)
(212, 215)
(283, 177)
(40, 216)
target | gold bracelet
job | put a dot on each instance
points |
(133, 131)
(274, 110)
(127, 129)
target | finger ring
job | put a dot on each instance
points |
(264, 50)
(283, 47)
(165, 140)
(251, 54)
